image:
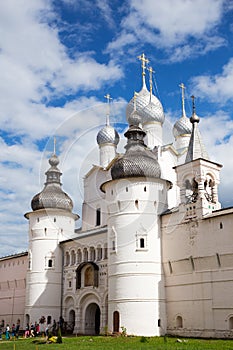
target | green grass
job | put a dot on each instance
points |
(117, 343)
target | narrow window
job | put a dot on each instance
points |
(231, 322)
(70, 284)
(179, 322)
(50, 263)
(49, 318)
(126, 189)
(113, 245)
(145, 189)
(142, 243)
(221, 225)
(98, 213)
(38, 219)
(136, 203)
(54, 220)
(159, 322)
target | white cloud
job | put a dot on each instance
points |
(169, 24)
(217, 88)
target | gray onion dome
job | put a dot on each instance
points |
(52, 196)
(182, 126)
(108, 135)
(148, 107)
(138, 161)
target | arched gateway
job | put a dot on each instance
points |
(92, 319)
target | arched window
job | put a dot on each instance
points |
(79, 256)
(231, 322)
(179, 322)
(99, 253)
(67, 258)
(50, 263)
(89, 276)
(73, 257)
(85, 254)
(92, 254)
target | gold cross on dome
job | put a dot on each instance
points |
(144, 60)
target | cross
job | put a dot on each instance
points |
(144, 60)
(108, 98)
(182, 92)
(150, 69)
(193, 99)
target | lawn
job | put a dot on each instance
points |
(117, 343)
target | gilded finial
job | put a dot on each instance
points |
(183, 98)
(108, 98)
(144, 61)
(194, 118)
(54, 145)
(151, 71)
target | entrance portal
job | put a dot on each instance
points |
(116, 321)
(92, 319)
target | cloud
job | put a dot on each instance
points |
(170, 24)
(216, 88)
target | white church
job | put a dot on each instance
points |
(154, 254)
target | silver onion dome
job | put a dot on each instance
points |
(52, 196)
(108, 135)
(138, 161)
(182, 127)
(148, 107)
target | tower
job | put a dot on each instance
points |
(136, 196)
(198, 177)
(50, 222)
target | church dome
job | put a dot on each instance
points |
(107, 135)
(148, 107)
(138, 161)
(182, 126)
(52, 196)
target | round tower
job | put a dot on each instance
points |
(149, 109)
(136, 197)
(107, 139)
(50, 222)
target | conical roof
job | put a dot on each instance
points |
(52, 196)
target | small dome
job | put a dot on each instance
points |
(134, 118)
(107, 135)
(52, 196)
(136, 164)
(182, 126)
(148, 107)
(138, 160)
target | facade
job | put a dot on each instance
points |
(154, 254)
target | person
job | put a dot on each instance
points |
(27, 333)
(0, 332)
(17, 329)
(54, 327)
(13, 330)
(37, 329)
(7, 332)
(32, 330)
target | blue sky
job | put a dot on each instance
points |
(59, 58)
